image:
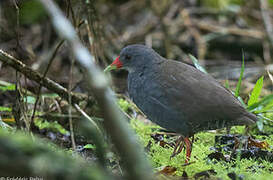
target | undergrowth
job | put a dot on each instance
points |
(204, 141)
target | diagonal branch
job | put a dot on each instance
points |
(37, 77)
(114, 122)
(50, 85)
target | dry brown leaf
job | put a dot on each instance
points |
(167, 170)
(256, 143)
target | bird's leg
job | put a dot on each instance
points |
(179, 143)
(228, 130)
(246, 131)
(188, 148)
(180, 147)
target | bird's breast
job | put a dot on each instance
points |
(136, 82)
(149, 95)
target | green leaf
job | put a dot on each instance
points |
(242, 101)
(89, 146)
(10, 87)
(267, 108)
(2, 108)
(256, 92)
(31, 11)
(124, 105)
(238, 87)
(30, 99)
(54, 126)
(197, 65)
(264, 101)
(227, 84)
(50, 95)
(260, 125)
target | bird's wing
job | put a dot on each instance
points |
(199, 96)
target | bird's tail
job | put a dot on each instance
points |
(248, 119)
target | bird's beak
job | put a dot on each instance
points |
(115, 65)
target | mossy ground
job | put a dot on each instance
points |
(160, 156)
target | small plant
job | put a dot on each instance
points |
(54, 126)
(124, 105)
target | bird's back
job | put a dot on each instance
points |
(181, 98)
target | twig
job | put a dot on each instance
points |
(70, 9)
(201, 45)
(49, 84)
(21, 105)
(232, 30)
(266, 51)
(77, 107)
(114, 122)
(160, 10)
(71, 80)
(40, 85)
(70, 106)
(37, 77)
(17, 22)
(94, 30)
(267, 20)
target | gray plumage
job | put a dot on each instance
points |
(177, 96)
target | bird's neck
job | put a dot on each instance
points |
(147, 66)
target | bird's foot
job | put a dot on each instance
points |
(180, 144)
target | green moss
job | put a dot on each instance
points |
(124, 105)
(160, 156)
(54, 126)
(23, 155)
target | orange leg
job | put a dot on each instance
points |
(181, 141)
(188, 148)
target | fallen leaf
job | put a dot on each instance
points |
(255, 143)
(167, 170)
(8, 120)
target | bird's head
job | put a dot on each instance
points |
(134, 57)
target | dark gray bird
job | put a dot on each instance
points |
(177, 96)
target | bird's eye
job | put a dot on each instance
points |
(127, 57)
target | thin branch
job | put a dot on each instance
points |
(201, 45)
(51, 58)
(70, 107)
(77, 107)
(94, 30)
(17, 22)
(267, 20)
(37, 77)
(49, 84)
(228, 30)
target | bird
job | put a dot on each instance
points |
(177, 96)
